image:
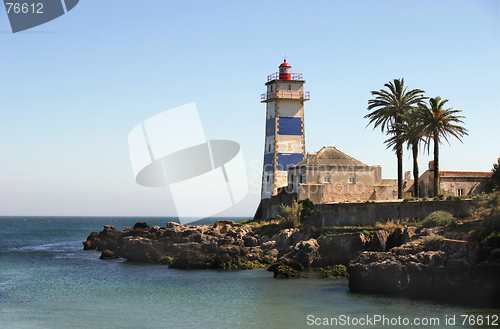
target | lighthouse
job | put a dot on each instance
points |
(285, 140)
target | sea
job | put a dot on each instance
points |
(48, 281)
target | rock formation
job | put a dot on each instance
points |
(394, 261)
(446, 270)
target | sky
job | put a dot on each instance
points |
(72, 89)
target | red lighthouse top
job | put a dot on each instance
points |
(285, 71)
(285, 64)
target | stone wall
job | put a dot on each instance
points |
(344, 214)
(365, 213)
(269, 208)
(347, 192)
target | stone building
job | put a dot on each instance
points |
(331, 175)
(454, 183)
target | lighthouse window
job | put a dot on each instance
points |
(268, 179)
(289, 87)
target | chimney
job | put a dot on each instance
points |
(312, 159)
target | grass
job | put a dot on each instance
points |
(335, 230)
(466, 226)
(366, 230)
(433, 238)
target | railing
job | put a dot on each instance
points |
(293, 76)
(285, 94)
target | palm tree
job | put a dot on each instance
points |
(436, 123)
(388, 110)
(406, 132)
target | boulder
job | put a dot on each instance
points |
(142, 225)
(378, 240)
(221, 223)
(140, 249)
(250, 241)
(339, 249)
(305, 252)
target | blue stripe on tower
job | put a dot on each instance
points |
(289, 126)
(268, 162)
(287, 160)
(269, 127)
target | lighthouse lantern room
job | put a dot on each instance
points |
(285, 71)
(285, 140)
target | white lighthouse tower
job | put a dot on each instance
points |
(285, 140)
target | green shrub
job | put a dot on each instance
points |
(489, 212)
(286, 272)
(307, 209)
(335, 271)
(289, 216)
(269, 229)
(494, 182)
(439, 197)
(432, 242)
(439, 218)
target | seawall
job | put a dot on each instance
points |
(368, 213)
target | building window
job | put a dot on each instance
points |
(327, 179)
(352, 179)
(460, 191)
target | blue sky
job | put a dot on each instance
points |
(73, 88)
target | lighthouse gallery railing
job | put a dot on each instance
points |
(285, 94)
(293, 76)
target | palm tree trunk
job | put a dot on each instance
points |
(436, 164)
(399, 153)
(416, 186)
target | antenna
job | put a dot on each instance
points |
(284, 56)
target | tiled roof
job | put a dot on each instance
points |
(332, 156)
(479, 173)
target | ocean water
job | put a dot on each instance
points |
(48, 281)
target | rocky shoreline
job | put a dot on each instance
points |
(390, 261)
(442, 270)
(212, 246)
